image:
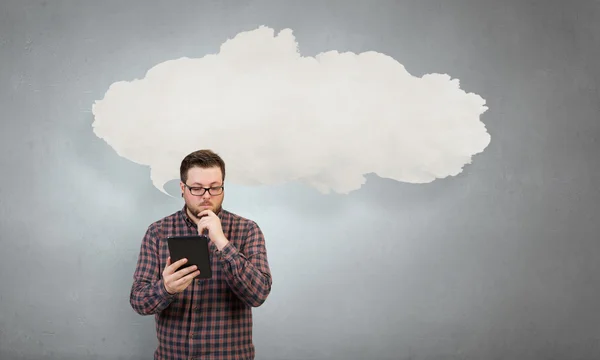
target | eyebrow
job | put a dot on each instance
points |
(211, 184)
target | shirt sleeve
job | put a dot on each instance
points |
(148, 294)
(247, 270)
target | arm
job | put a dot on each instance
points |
(148, 294)
(247, 272)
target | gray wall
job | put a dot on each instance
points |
(500, 262)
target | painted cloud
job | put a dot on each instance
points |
(277, 116)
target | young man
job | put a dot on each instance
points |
(203, 318)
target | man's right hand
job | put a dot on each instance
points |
(178, 280)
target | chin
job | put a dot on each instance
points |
(213, 208)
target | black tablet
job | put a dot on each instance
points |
(195, 249)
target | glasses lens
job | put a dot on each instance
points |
(198, 191)
(216, 191)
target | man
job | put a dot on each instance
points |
(203, 318)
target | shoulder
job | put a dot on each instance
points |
(167, 222)
(240, 222)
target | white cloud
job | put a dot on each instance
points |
(276, 116)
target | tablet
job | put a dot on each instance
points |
(195, 249)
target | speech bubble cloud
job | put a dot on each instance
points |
(276, 116)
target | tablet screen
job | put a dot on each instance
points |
(195, 249)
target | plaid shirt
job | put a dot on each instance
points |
(211, 318)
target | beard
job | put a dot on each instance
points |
(197, 207)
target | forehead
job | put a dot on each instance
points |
(204, 176)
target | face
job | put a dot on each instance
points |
(202, 177)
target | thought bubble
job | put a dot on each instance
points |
(276, 116)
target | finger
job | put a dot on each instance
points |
(176, 265)
(202, 227)
(188, 278)
(182, 283)
(187, 270)
(205, 220)
(206, 212)
(181, 273)
(166, 269)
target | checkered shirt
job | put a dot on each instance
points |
(212, 318)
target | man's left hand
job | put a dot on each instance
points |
(210, 221)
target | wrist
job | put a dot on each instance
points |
(221, 242)
(166, 288)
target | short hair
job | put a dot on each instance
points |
(201, 158)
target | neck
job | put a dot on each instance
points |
(193, 217)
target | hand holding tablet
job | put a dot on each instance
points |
(189, 259)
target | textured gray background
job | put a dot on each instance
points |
(501, 262)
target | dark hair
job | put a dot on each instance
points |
(200, 158)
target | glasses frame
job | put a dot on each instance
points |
(203, 190)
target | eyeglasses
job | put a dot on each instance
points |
(199, 191)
